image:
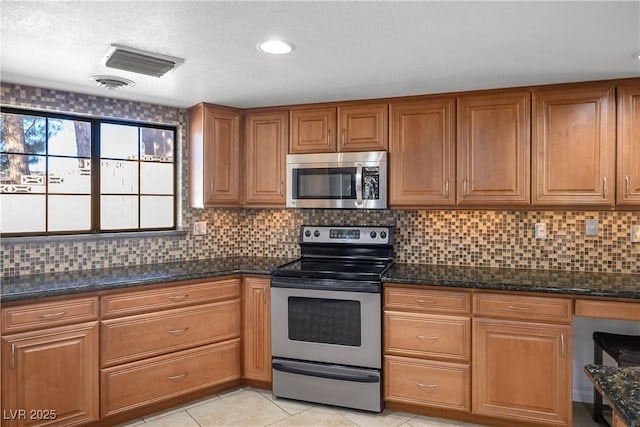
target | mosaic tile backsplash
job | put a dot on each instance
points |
(474, 238)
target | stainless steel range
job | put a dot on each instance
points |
(326, 317)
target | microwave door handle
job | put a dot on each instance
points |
(359, 184)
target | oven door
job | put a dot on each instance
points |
(326, 326)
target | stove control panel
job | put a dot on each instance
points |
(346, 235)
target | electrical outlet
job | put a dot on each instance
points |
(635, 234)
(541, 231)
(591, 227)
(199, 228)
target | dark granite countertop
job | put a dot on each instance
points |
(622, 387)
(505, 279)
(65, 283)
(549, 281)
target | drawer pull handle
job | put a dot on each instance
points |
(521, 307)
(178, 331)
(178, 297)
(178, 377)
(426, 301)
(53, 315)
(431, 386)
(423, 337)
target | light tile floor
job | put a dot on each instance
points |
(250, 407)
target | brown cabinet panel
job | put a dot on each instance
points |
(136, 384)
(522, 307)
(313, 130)
(48, 314)
(421, 152)
(573, 145)
(494, 148)
(427, 383)
(257, 329)
(134, 302)
(135, 337)
(628, 176)
(266, 148)
(363, 127)
(608, 309)
(214, 156)
(427, 335)
(52, 375)
(522, 371)
(426, 300)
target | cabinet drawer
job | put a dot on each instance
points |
(174, 296)
(43, 315)
(427, 335)
(427, 383)
(425, 300)
(522, 307)
(141, 383)
(146, 335)
(608, 309)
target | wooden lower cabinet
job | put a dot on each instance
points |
(427, 383)
(130, 386)
(50, 376)
(522, 371)
(256, 343)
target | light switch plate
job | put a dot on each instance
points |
(541, 231)
(199, 228)
(591, 227)
(635, 234)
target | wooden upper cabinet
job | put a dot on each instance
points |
(628, 176)
(494, 148)
(573, 145)
(421, 152)
(362, 127)
(313, 130)
(266, 149)
(214, 137)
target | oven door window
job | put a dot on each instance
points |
(324, 183)
(328, 321)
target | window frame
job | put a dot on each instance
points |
(95, 186)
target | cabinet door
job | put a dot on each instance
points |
(266, 149)
(421, 153)
(221, 157)
(313, 130)
(522, 371)
(52, 375)
(257, 329)
(494, 148)
(363, 127)
(573, 145)
(628, 177)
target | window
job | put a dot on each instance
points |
(66, 175)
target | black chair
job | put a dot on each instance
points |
(624, 349)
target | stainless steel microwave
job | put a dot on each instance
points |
(337, 180)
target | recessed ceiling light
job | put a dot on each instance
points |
(275, 47)
(636, 55)
(112, 82)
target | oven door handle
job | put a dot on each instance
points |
(311, 373)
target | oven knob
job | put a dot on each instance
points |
(316, 233)
(307, 233)
(383, 234)
(373, 234)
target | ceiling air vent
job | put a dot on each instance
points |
(138, 61)
(112, 82)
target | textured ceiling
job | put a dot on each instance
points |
(344, 50)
